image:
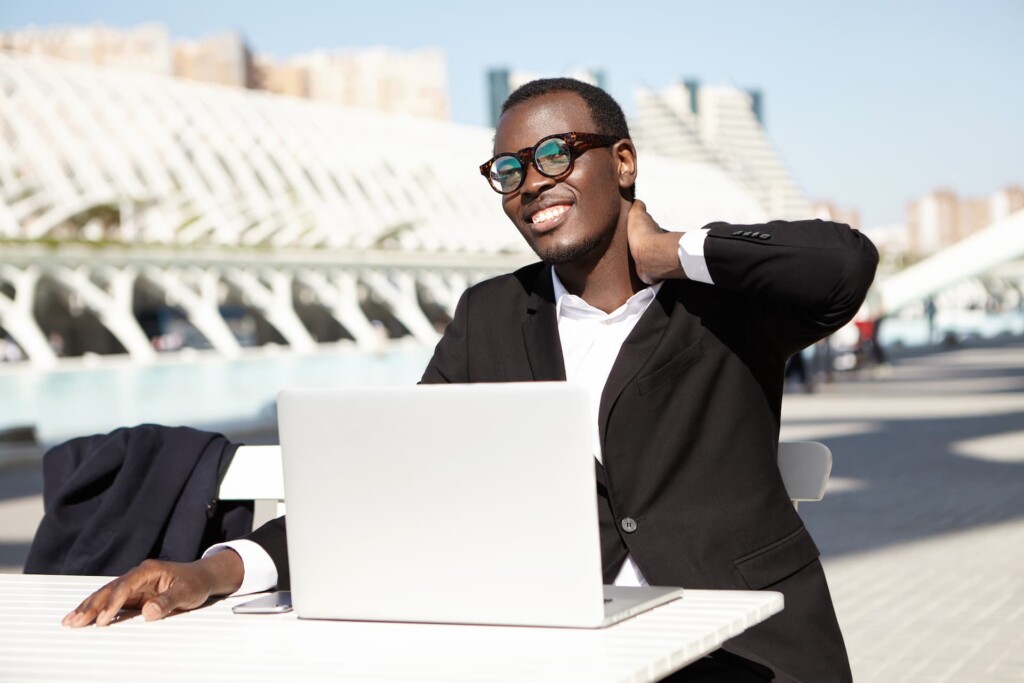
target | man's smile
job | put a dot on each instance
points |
(548, 217)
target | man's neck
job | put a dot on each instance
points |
(607, 281)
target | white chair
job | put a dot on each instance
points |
(255, 474)
(805, 468)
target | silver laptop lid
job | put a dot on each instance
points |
(446, 503)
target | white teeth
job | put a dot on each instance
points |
(549, 214)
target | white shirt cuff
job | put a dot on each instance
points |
(259, 575)
(691, 256)
(630, 574)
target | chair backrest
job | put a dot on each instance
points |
(255, 474)
(805, 468)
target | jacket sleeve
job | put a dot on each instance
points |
(272, 537)
(803, 280)
(450, 362)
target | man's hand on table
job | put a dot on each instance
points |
(158, 588)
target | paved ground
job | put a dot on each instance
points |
(922, 529)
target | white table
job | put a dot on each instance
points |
(212, 643)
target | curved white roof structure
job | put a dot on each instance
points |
(110, 178)
(196, 164)
(999, 243)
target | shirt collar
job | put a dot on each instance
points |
(571, 306)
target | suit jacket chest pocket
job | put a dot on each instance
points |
(672, 369)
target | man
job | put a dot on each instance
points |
(682, 342)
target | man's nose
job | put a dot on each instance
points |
(534, 183)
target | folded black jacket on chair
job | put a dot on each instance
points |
(114, 500)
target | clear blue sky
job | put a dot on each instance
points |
(871, 103)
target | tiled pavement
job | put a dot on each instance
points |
(922, 529)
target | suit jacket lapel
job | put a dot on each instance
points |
(635, 351)
(540, 331)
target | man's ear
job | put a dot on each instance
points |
(625, 158)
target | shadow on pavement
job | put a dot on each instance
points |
(13, 554)
(21, 481)
(908, 480)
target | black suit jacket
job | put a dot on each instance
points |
(114, 500)
(689, 419)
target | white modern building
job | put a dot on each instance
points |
(133, 202)
(720, 126)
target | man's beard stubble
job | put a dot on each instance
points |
(560, 254)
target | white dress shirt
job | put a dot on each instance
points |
(590, 340)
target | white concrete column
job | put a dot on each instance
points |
(16, 315)
(274, 301)
(201, 308)
(446, 290)
(113, 308)
(340, 296)
(399, 293)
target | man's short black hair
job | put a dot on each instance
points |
(605, 111)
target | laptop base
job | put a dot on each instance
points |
(623, 602)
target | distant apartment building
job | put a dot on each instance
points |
(891, 239)
(941, 218)
(501, 82)
(146, 47)
(932, 222)
(223, 58)
(1007, 201)
(828, 211)
(281, 78)
(413, 83)
(722, 126)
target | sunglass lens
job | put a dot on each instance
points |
(506, 174)
(553, 157)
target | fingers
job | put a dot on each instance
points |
(86, 612)
(648, 279)
(641, 228)
(103, 605)
(640, 221)
(159, 587)
(655, 251)
(129, 590)
(179, 595)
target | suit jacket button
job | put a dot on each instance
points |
(629, 525)
(766, 235)
(755, 234)
(747, 233)
(737, 233)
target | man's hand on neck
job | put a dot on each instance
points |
(655, 252)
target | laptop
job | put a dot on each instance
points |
(465, 504)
